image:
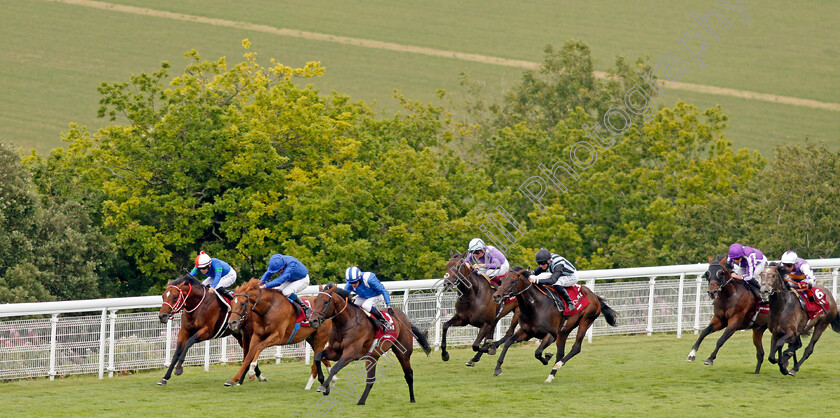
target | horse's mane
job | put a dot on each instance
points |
(338, 290)
(185, 279)
(250, 284)
(522, 270)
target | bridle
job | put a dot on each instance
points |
(459, 279)
(519, 277)
(248, 307)
(314, 312)
(181, 302)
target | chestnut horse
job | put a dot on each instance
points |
(540, 318)
(204, 318)
(734, 308)
(268, 319)
(475, 306)
(788, 321)
(352, 338)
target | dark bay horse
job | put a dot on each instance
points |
(267, 318)
(204, 318)
(540, 318)
(788, 321)
(734, 308)
(352, 338)
(475, 306)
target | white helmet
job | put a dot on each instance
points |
(203, 260)
(789, 257)
(476, 244)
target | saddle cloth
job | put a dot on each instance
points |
(576, 295)
(815, 308)
(301, 318)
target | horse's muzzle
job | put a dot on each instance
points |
(164, 317)
(498, 299)
(314, 323)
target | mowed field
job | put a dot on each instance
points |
(55, 53)
(613, 376)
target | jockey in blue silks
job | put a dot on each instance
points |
(747, 264)
(220, 275)
(292, 278)
(369, 291)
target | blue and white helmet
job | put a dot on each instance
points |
(352, 274)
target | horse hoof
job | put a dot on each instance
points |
(230, 383)
(709, 362)
(548, 357)
(179, 371)
(791, 373)
(497, 372)
(470, 364)
(444, 355)
(251, 377)
(162, 382)
(690, 358)
(262, 378)
(550, 378)
(491, 351)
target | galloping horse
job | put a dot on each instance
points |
(353, 338)
(788, 320)
(540, 318)
(734, 308)
(475, 306)
(273, 323)
(204, 318)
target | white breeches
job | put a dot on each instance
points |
(225, 281)
(499, 272)
(368, 303)
(564, 281)
(293, 287)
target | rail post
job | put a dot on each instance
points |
(53, 340)
(103, 326)
(650, 305)
(680, 306)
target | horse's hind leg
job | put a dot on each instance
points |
(548, 339)
(408, 372)
(371, 379)
(726, 334)
(810, 349)
(483, 332)
(513, 323)
(561, 348)
(759, 347)
(713, 326)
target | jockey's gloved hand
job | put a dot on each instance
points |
(391, 310)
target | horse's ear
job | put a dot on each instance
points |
(451, 253)
(774, 264)
(711, 260)
(320, 287)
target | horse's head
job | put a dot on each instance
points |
(330, 302)
(513, 283)
(246, 298)
(771, 281)
(175, 296)
(716, 275)
(457, 271)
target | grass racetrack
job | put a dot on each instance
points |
(613, 376)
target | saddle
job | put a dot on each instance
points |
(575, 294)
(300, 317)
(380, 336)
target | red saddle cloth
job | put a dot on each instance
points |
(815, 308)
(301, 318)
(576, 295)
(390, 334)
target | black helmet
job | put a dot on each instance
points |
(543, 256)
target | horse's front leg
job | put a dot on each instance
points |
(179, 348)
(726, 334)
(548, 339)
(520, 335)
(758, 333)
(713, 326)
(783, 358)
(454, 321)
(343, 361)
(322, 357)
(513, 323)
(818, 331)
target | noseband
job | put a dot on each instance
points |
(346, 302)
(518, 278)
(181, 302)
(248, 307)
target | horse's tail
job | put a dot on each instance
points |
(422, 339)
(609, 313)
(835, 323)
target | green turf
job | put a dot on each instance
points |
(613, 376)
(56, 54)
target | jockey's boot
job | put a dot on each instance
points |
(226, 293)
(383, 323)
(306, 310)
(753, 285)
(565, 296)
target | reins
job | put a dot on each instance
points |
(181, 302)
(346, 302)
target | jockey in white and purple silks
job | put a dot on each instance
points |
(799, 271)
(293, 278)
(747, 264)
(487, 260)
(220, 275)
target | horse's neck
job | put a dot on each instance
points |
(530, 294)
(350, 317)
(472, 284)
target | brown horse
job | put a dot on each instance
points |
(475, 306)
(540, 318)
(352, 338)
(204, 318)
(272, 323)
(788, 321)
(734, 308)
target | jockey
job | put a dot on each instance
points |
(220, 275)
(293, 278)
(557, 271)
(369, 291)
(488, 260)
(799, 271)
(747, 264)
